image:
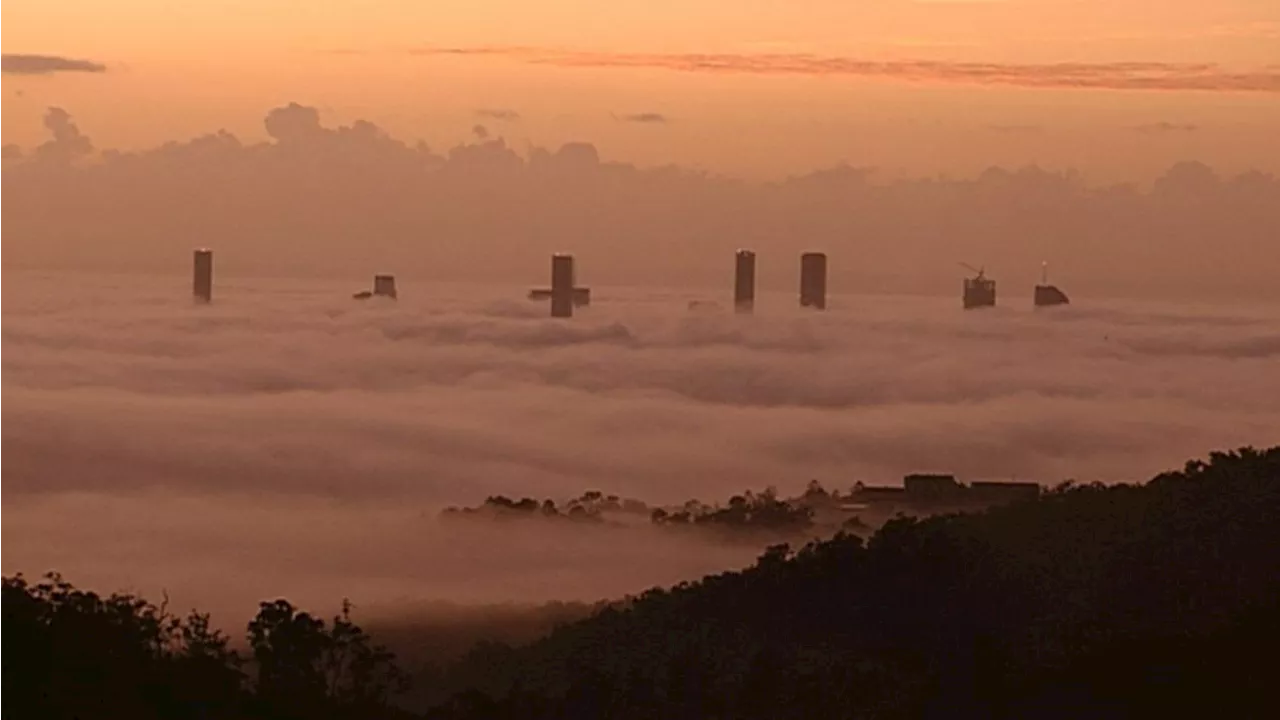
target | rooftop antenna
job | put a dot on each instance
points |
(1046, 294)
(980, 271)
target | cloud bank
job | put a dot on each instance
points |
(318, 200)
(1105, 75)
(20, 64)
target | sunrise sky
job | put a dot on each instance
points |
(993, 87)
(295, 438)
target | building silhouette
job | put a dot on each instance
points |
(581, 295)
(979, 290)
(562, 285)
(744, 281)
(1047, 295)
(202, 275)
(384, 286)
(813, 280)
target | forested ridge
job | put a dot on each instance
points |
(1159, 599)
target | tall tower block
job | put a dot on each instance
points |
(813, 280)
(744, 281)
(384, 286)
(562, 283)
(202, 275)
(1047, 295)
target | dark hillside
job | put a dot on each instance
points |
(1113, 601)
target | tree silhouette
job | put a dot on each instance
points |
(304, 666)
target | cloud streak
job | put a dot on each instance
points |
(1017, 129)
(498, 114)
(1164, 128)
(21, 64)
(650, 118)
(1107, 75)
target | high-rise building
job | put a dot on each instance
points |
(813, 280)
(202, 275)
(384, 286)
(744, 281)
(1047, 295)
(562, 285)
(979, 290)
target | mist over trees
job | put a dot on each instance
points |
(317, 199)
(1093, 601)
(1153, 600)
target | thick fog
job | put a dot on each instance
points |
(319, 201)
(288, 440)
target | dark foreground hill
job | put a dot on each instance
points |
(1123, 601)
(1159, 600)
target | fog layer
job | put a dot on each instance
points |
(289, 440)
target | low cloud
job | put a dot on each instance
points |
(1163, 128)
(644, 117)
(301, 443)
(1106, 75)
(483, 209)
(19, 64)
(67, 142)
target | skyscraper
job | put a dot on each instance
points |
(744, 281)
(562, 284)
(202, 280)
(384, 286)
(813, 280)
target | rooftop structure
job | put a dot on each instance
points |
(581, 295)
(383, 286)
(979, 290)
(938, 493)
(929, 486)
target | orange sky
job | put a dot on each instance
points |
(174, 70)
